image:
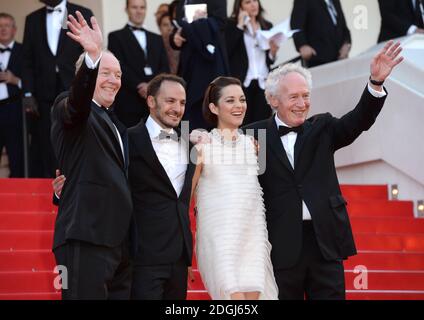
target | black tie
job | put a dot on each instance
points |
(165, 135)
(283, 130)
(3, 50)
(136, 28)
(418, 14)
(121, 129)
(51, 10)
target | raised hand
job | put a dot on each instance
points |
(384, 62)
(91, 39)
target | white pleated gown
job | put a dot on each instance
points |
(232, 247)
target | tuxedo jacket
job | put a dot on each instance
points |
(236, 49)
(95, 204)
(133, 60)
(396, 18)
(39, 64)
(15, 66)
(318, 30)
(313, 180)
(162, 217)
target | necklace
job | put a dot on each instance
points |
(230, 143)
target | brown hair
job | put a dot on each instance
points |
(260, 18)
(154, 84)
(213, 94)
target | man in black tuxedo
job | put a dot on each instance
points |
(324, 35)
(142, 56)
(400, 18)
(48, 69)
(92, 226)
(10, 95)
(308, 224)
(161, 177)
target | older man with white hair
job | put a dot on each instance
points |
(308, 224)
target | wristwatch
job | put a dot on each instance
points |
(376, 83)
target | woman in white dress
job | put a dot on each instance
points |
(232, 247)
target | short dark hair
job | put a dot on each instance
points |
(4, 15)
(213, 94)
(154, 84)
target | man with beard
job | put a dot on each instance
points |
(160, 177)
(48, 68)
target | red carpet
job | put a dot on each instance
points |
(389, 239)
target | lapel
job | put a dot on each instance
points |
(411, 8)
(61, 43)
(134, 46)
(144, 148)
(116, 148)
(274, 141)
(43, 24)
(13, 56)
(62, 36)
(191, 167)
(327, 13)
(300, 141)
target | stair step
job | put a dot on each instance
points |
(197, 284)
(26, 240)
(26, 202)
(31, 296)
(198, 295)
(17, 282)
(390, 242)
(26, 185)
(384, 295)
(386, 261)
(380, 208)
(387, 280)
(361, 192)
(387, 225)
(27, 221)
(41, 260)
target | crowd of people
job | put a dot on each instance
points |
(32, 75)
(108, 122)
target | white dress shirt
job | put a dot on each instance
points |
(4, 62)
(92, 65)
(257, 69)
(141, 38)
(54, 23)
(172, 155)
(289, 141)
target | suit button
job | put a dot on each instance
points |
(299, 187)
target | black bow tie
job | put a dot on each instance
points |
(165, 135)
(136, 28)
(3, 50)
(283, 130)
(51, 10)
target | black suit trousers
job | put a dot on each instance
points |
(160, 282)
(313, 277)
(95, 272)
